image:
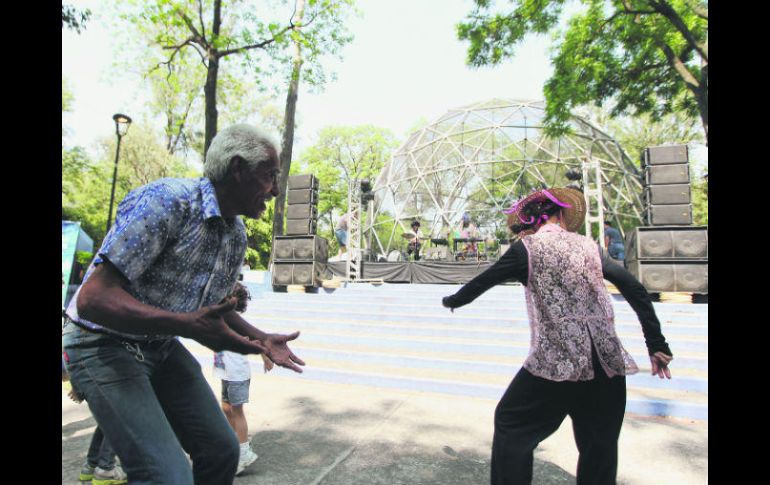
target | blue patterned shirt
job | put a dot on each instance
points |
(173, 245)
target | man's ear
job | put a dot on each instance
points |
(236, 170)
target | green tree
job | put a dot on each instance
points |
(637, 133)
(647, 56)
(73, 18)
(341, 154)
(217, 30)
(86, 184)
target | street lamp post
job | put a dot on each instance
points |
(122, 123)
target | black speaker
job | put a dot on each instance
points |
(302, 196)
(295, 227)
(667, 243)
(306, 274)
(664, 215)
(301, 211)
(665, 155)
(667, 194)
(305, 181)
(294, 248)
(667, 174)
(659, 276)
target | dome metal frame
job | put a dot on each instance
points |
(482, 157)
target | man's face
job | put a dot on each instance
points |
(258, 186)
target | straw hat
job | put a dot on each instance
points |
(573, 212)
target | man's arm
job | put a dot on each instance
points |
(275, 345)
(241, 326)
(104, 300)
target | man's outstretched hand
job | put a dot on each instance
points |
(278, 351)
(208, 327)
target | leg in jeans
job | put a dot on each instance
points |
(194, 413)
(530, 410)
(119, 393)
(100, 453)
(596, 421)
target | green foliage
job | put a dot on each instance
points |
(341, 154)
(67, 97)
(84, 258)
(700, 202)
(260, 238)
(647, 56)
(635, 134)
(176, 45)
(86, 184)
(73, 18)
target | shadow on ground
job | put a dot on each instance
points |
(350, 447)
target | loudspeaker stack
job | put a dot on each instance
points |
(669, 254)
(299, 257)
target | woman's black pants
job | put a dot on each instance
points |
(533, 408)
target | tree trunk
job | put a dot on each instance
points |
(210, 89)
(703, 101)
(210, 93)
(287, 141)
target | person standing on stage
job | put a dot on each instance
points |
(614, 242)
(576, 364)
(415, 244)
(468, 230)
(174, 252)
(341, 232)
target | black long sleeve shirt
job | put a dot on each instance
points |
(514, 266)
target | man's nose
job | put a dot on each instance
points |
(274, 190)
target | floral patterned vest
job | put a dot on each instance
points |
(568, 307)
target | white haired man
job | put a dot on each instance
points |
(174, 253)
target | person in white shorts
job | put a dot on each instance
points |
(235, 371)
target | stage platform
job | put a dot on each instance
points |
(424, 272)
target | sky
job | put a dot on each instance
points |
(404, 64)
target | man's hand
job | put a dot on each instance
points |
(660, 362)
(208, 327)
(268, 364)
(278, 352)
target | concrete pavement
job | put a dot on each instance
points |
(313, 433)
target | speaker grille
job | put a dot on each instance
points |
(301, 211)
(667, 174)
(302, 196)
(667, 243)
(305, 181)
(662, 215)
(679, 276)
(666, 155)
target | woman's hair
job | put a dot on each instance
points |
(534, 214)
(244, 141)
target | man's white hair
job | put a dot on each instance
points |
(245, 141)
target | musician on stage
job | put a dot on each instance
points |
(468, 230)
(414, 243)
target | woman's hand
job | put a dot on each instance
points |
(660, 361)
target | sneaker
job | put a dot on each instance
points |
(86, 473)
(245, 460)
(116, 476)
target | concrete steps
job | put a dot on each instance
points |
(399, 336)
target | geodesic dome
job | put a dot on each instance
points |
(480, 159)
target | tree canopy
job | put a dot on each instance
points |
(646, 56)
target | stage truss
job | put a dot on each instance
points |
(480, 159)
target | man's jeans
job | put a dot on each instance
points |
(100, 453)
(151, 401)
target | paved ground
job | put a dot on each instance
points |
(312, 433)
